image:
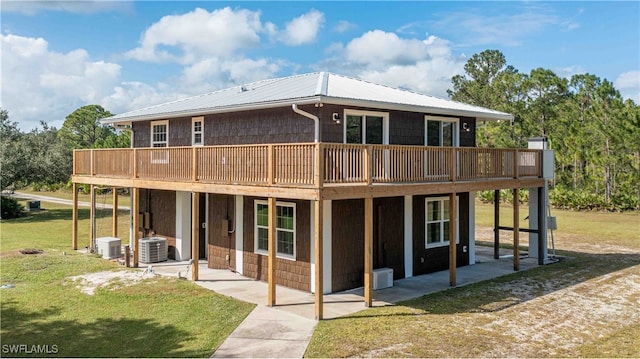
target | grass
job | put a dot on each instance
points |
(158, 317)
(591, 228)
(123, 200)
(585, 306)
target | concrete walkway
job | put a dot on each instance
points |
(286, 329)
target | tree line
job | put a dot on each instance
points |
(43, 157)
(594, 131)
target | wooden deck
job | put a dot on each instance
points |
(311, 170)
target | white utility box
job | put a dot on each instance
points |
(382, 278)
(109, 247)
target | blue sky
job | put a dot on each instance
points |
(58, 56)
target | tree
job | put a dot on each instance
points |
(82, 128)
(12, 152)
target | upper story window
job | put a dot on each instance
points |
(159, 139)
(285, 229)
(160, 133)
(441, 131)
(438, 221)
(197, 131)
(366, 127)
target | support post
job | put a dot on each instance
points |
(114, 213)
(368, 251)
(516, 229)
(542, 224)
(74, 218)
(452, 239)
(135, 209)
(496, 224)
(271, 300)
(92, 219)
(319, 258)
(195, 233)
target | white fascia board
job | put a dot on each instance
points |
(212, 110)
(479, 115)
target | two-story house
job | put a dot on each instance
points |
(311, 181)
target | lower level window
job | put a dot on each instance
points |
(438, 222)
(285, 229)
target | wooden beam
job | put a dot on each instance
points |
(271, 300)
(135, 209)
(311, 193)
(319, 284)
(114, 213)
(195, 233)
(452, 239)
(368, 251)
(516, 229)
(496, 224)
(92, 219)
(74, 218)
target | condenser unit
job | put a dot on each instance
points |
(109, 247)
(382, 278)
(153, 249)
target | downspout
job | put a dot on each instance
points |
(316, 120)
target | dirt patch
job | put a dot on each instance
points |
(31, 251)
(88, 283)
(559, 321)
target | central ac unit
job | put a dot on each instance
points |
(382, 278)
(109, 247)
(153, 249)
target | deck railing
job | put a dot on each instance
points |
(309, 164)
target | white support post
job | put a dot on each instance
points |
(408, 236)
(472, 228)
(239, 225)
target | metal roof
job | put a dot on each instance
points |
(318, 87)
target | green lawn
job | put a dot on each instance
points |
(123, 200)
(157, 317)
(584, 306)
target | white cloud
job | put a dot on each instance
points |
(424, 66)
(303, 29)
(190, 37)
(77, 7)
(480, 28)
(567, 72)
(628, 83)
(344, 26)
(379, 48)
(39, 84)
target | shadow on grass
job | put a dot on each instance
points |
(106, 337)
(503, 292)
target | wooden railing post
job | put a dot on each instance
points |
(452, 164)
(74, 170)
(319, 165)
(368, 164)
(194, 164)
(134, 171)
(92, 160)
(271, 165)
(516, 156)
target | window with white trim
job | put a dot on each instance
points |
(366, 127)
(441, 131)
(285, 229)
(438, 221)
(197, 131)
(159, 139)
